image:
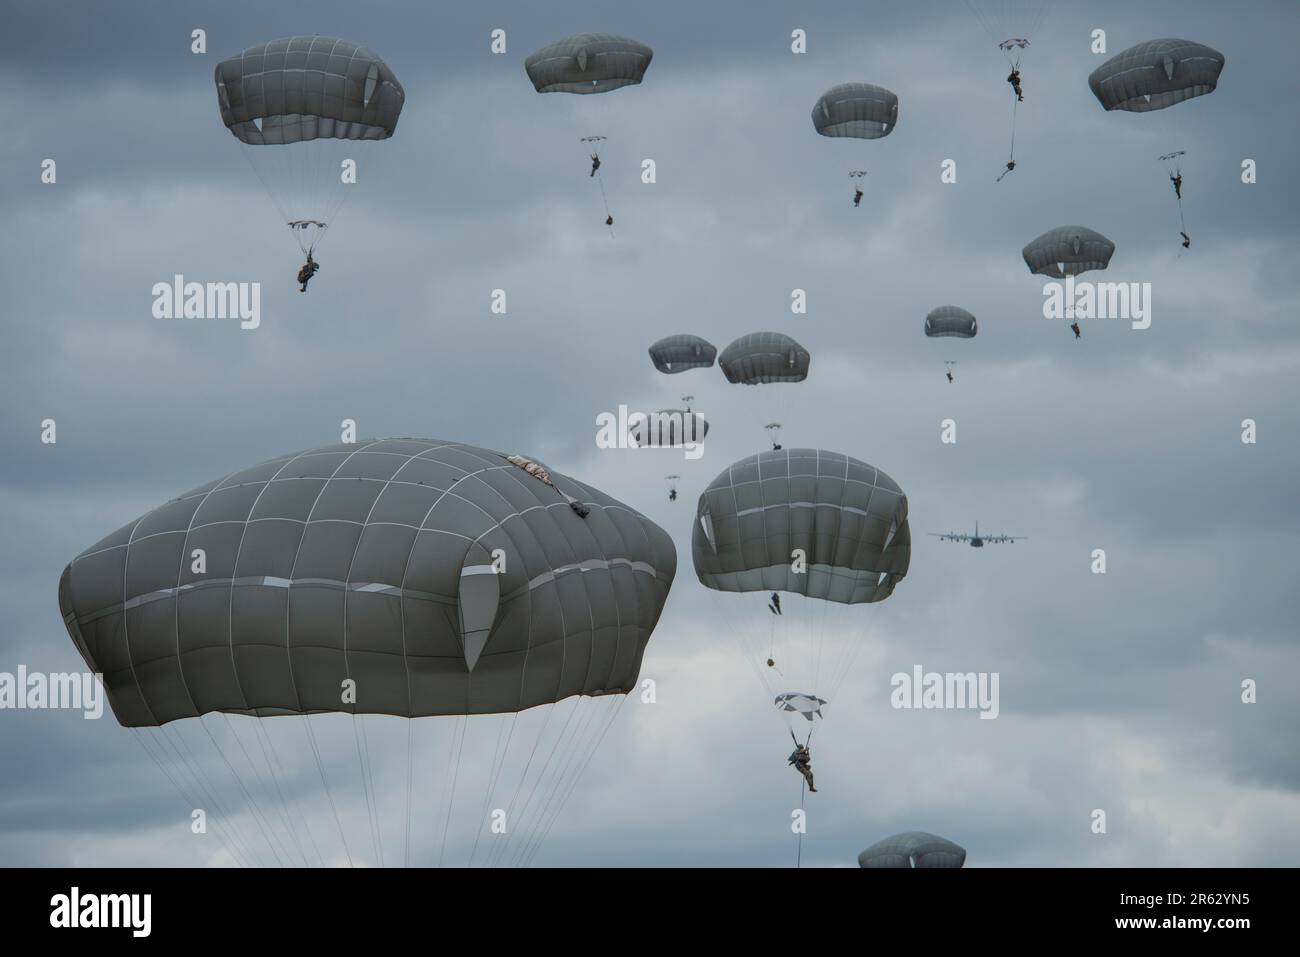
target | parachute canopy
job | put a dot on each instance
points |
(913, 849)
(764, 357)
(806, 705)
(950, 321)
(588, 63)
(300, 107)
(1068, 251)
(669, 429)
(1156, 75)
(859, 110)
(375, 562)
(306, 88)
(673, 354)
(848, 517)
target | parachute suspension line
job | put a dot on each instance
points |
(261, 780)
(161, 764)
(537, 780)
(410, 734)
(265, 739)
(494, 853)
(367, 784)
(209, 791)
(564, 746)
(494, 776)
(258, 817)
(320, 767)
(453, 759)
(614, 711)
(988, 27)
(749, 656)
(498, 850)
(596, 719)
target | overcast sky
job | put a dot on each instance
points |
(1119, 692)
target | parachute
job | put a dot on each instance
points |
(828, 530)
(673, 354)
(859, 110)
(950, 321)
(913, 849)
(669, 429)
(764, 357)
(435, 579)
(301, 106)
(848, 517)
(1156, 75)
(588, 63)
(1068, 251)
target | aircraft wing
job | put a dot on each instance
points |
(999, 539)
(950, 537)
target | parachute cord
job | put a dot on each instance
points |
(597, 720)
(261, 780)
(988, 28)
(495, 854)
(565, 748)
(494, 778)
(458, 743)
(410, 733)
(367, 785)
(266, 742)
(208, 789)
(320, 767)
(541, 774)
(160, 763)
(615, 711)
(258, 817)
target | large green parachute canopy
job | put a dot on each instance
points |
(372, 562)
(913, 849)
(669, 429)
(306, 88)
(763, 357)
(1156, 75)
(588, 63)
(860, 110)
(950, 321)
(673, 354)
(301, 107)
(1068, 251)
(848, 517)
